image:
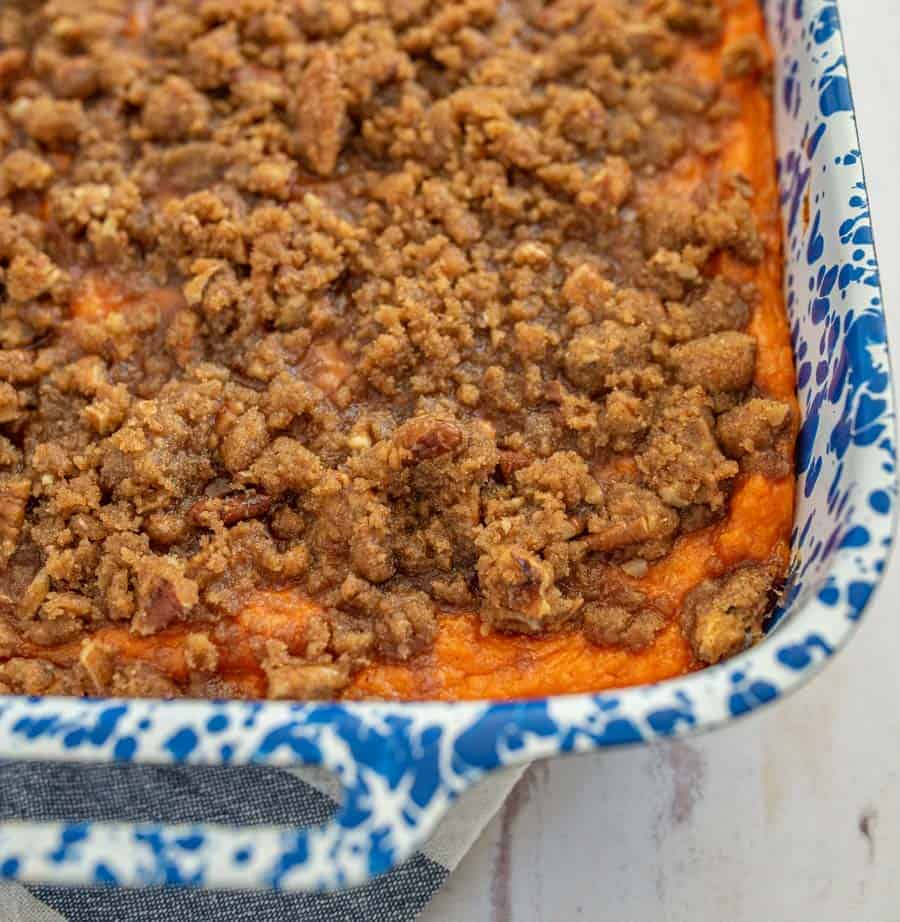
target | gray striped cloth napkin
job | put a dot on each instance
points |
(251, 795)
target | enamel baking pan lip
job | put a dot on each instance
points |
(402, 764)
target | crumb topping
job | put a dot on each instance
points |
(384, 299)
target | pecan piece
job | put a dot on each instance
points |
(14, 493)
(428, 437)
(161, 609)
(230, 509)
(291, 677)
(511, 461)
(321, 112)
(165, 595)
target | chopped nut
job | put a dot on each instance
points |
(14, 493)
(98, 661)
(321, 111)
(428, 437)
(165, 595)
(9, 405)
(636, 568)
(230, 509)
(59, 605)
(200, 653)
(34, 595)
(293, 679)
(512, 461)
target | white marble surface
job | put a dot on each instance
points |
(791, 815)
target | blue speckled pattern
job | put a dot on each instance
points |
(401, 765)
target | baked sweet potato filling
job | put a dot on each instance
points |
(394, 349)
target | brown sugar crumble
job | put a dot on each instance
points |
(387, 300)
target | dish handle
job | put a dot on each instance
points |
(399, 775)
(204, 856)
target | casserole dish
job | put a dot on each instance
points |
(401, 765)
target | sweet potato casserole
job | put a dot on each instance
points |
(387, 348)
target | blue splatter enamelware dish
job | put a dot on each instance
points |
(401, 765)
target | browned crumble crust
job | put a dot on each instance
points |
(398, 317)
(724, 615)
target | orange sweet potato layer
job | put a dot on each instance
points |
(467, 663)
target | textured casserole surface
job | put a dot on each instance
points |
(387, 348)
